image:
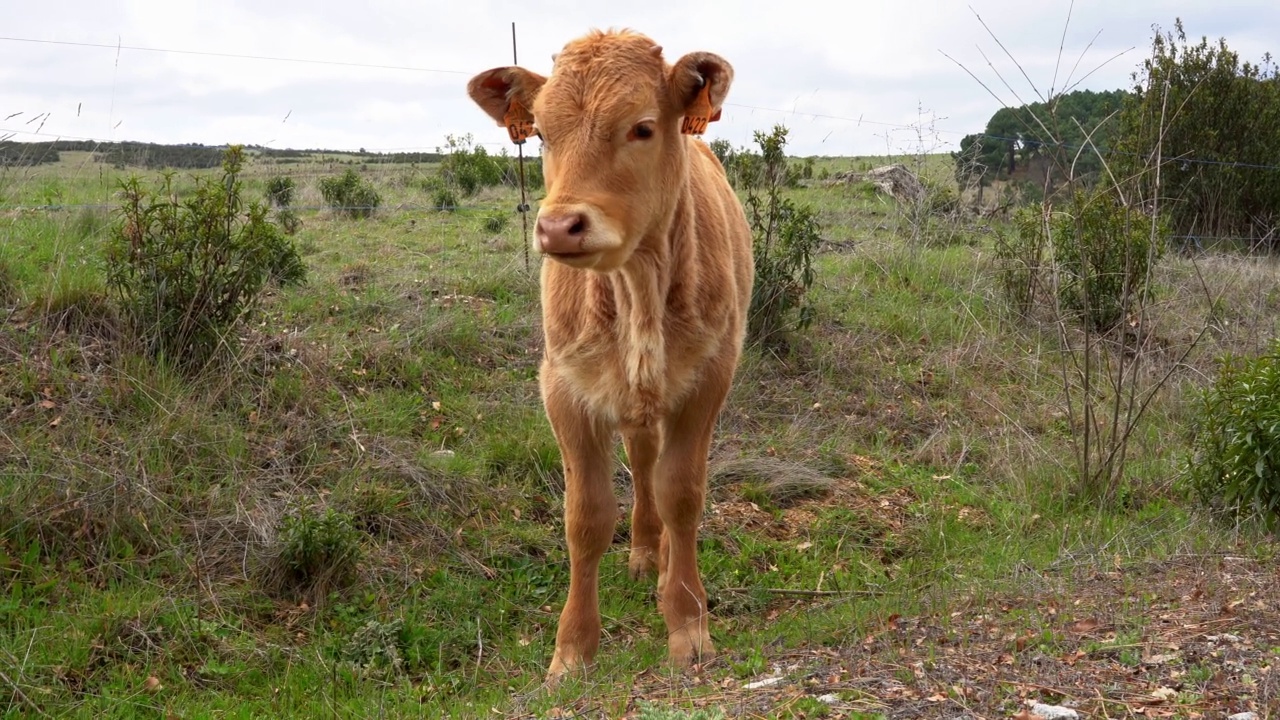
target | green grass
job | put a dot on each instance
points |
(141, 510)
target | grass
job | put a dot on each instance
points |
(892, 525)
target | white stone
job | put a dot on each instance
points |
(1054, 712)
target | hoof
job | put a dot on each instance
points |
(686, 649)
(643, 564)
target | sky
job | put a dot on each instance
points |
(847, 77)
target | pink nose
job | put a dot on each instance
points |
(562, 234)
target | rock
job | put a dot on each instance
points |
(1244, 716)
(829, 699)
(1054, 712)
(895, 181)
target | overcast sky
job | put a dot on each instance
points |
(848, 76)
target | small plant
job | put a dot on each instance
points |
(376, 646)
(280, 191)
(1020, 260)
(1235, 458)
(186, 270)
(350, 195)
(289, 221)
(324, 547)
(444, 200)
(495, 222)
(786, 237)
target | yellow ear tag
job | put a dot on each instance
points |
(519, 122)
(699, 112)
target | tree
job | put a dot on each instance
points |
(1210, 121)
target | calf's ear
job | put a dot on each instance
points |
(496, 90)
(699, 83)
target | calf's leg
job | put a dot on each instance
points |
(590, 516)
(646, 527)
(680, 488)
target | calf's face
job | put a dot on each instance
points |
(610, 117)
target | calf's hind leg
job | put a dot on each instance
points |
(646, 527)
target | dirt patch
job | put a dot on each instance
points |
(1197, 636)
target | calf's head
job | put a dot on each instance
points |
(610, 117)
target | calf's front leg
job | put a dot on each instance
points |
(590, 517)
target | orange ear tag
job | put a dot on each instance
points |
(699, 112)
(519, 122)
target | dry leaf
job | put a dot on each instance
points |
(1027, 715)
(48, 404)
(1084, 626)
(1165, 694)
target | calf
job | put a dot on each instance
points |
(645, 290)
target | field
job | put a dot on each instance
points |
(895, 528)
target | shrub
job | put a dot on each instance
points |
(469, 167)
(1103, 253)
(280, 191)
(786, 236)
(320, 548)
(1235, 457)
(186, 270)
(350, 195)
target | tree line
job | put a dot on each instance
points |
(1196, 111)
(184, 156)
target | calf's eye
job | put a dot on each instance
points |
(643, 131)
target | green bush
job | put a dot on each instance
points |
(1103, 253)
(786, 236)
(320, 548)
(350, 195)
(186, 270)
(280, 191)
(1235, 458)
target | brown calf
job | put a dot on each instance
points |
(644, 306)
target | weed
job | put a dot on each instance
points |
(323, 548)
(496, 222)
(469, 167)
(444, 200)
